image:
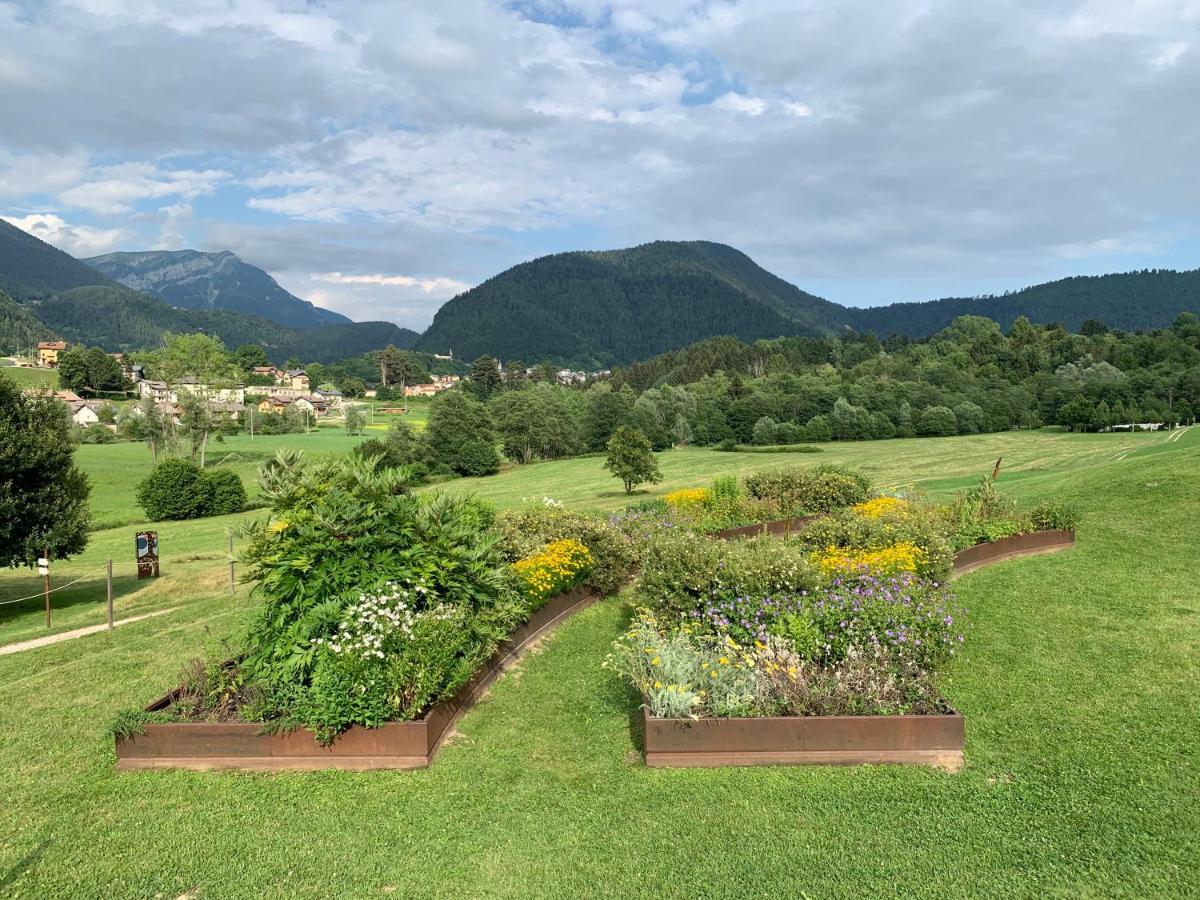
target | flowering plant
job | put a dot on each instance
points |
(902, 557)
(687, 497)
(557, 567)
(880, 506)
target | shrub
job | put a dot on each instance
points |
(346, 538)
(923, 527)
(224, 492)
(937, 421)
(1051, 516)
(735, 586)
(880, 506)
(478, 458)
(818, 490)
(174, 489)
(686, 674)
(525, 531)
(555, 569)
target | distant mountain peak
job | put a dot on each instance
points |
(217, 279)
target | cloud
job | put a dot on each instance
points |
(116, 189)
(441, 286)
(996, 144)
(78, 240)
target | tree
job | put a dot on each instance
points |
(1076, 415)
(764, 431)
(195, 423)
(396, 368)
(605, 411)
(199, 356)
(818, 430)
(969, 417)
(681, 432)
(356, 419)
(146, 422)
(457, 420)
(43, 495)
(937, 421)
(247, 356)
(484, 377)
(535, 423)
(631, 458)
(89, 370)
(352, 386)
(545, 373)
(515, 376)
(1102, 417)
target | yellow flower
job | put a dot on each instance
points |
(658, 684)
(687, 497)
(881, 506)
(278, 526)
(655, 661)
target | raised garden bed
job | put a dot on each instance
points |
(931, 740)
(396, 745)
(985, 554)
(805, 740)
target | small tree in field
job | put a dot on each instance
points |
(356, 419)
(631, 458)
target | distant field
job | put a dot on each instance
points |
(27, 378)
(931, 465)
(115, 469)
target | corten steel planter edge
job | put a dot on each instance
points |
(775, 527)
(932, 740)
(394, 745)
(1014, 547)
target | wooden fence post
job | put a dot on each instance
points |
(110, 599)
(232, 577)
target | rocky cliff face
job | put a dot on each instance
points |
(196, 280)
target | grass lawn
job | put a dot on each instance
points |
(31, 378)
(1078, 684)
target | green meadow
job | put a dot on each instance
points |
(1078, 684)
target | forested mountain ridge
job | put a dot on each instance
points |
(30, 268)
(65, 298)
(1129, 301)
(619, 305)
(196, 280)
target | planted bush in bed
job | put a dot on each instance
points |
(376, 603)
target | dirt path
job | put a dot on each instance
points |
(78, 632)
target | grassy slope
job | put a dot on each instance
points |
(31, 378)
(1081, 778)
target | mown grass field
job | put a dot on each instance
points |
(1078, 684)
(30, 377)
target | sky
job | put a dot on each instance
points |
(380, 157)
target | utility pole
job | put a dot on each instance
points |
(44, 565)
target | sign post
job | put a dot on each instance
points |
(44, 571)
(147, 554)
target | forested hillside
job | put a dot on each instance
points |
(1132, 301)
(621, 305)
(196, 280)
(19, 328)
(31, 268)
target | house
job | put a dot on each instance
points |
(449, 356)
(67, 397)
(85, 413)
(268, 371)
(158, 391)
(47, 353)
(330, 396)
(226, 408)
(274, 404)
(297, 379)
(423, 390)
(315, 405)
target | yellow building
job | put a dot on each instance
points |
(47, 353)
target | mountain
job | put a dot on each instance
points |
(65, 298)
(620, 305)
(117, 318)
(1132, 301)
(195, 280)
(30, 268)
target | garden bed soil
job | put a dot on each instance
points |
(1037, 542)
(395, 745)
(928, 740)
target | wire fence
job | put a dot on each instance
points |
(106, 571)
